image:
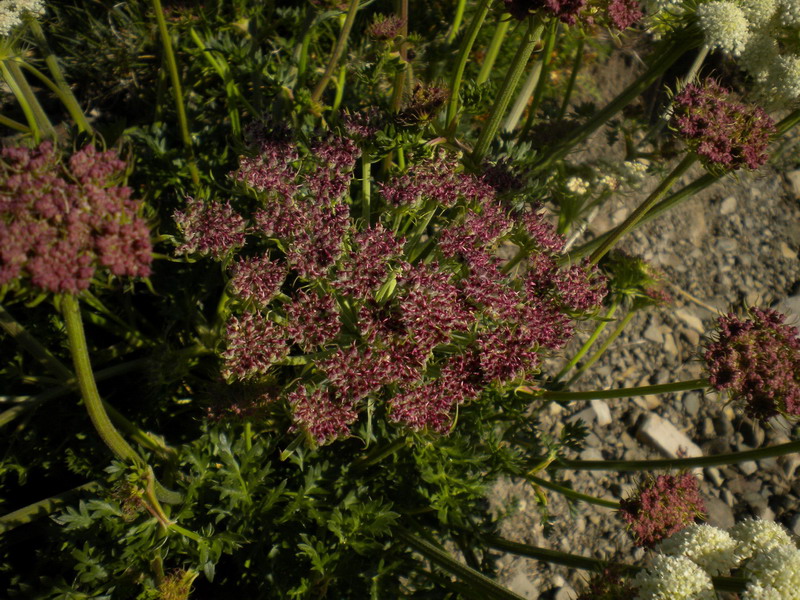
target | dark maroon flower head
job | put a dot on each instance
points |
(385, 27)
(661, 507)
(322, 414)
(312, 320)
(272, 169)
(209, 228)
(254, 344)
(59, 223)
(257, 278)
(567, 11)
(757, 361)
(725, 134)
(502, 177)
(364, 124)
(422, 105)
(582, 287)
(366, 266)
(624, 13)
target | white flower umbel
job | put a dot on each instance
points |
(711, 548)
(754, 536)
(756, 591)
(725, 26)
(758, 12)
(577, 185)
(779, 568)
(790, 12)
(784, 77)
(759, 56)
(11, 12)
(673, 578)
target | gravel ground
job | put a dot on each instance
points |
(735, 244)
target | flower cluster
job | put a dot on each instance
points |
(725, 134)
(385, 27)
(567, 11)
(762, 551)
(60, 223)
(367, 319)
(624, 13)
(12, 11)
(757, 361)
(661, 507)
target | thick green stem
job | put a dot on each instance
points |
(677, 48)
(475, 579)
(23, 101)
(524, 94)
(644, 390)
(366, 190)
(678, 463)
(601, 326)
(538, 93)
(576, 67)
(30, 97)
(459, 16)
(515, 71)
(177, 90)
(644, 207)
(723, 584)
(572, 494)
(494, 48)
(463, 57)
(42, 508)
(65, 94)
(88, 386)
(338, 50)
(603, 347)
(12, 124)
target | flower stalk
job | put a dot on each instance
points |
(644, 390)
(338, 50)
(603, 347)
(601, 326)
(509, 85)
(494, 48)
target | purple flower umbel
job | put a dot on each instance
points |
(59, 223)
(567, 11)
(662, 506)
(757, 360)
(725, 134)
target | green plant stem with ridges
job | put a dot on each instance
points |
(177, 90)
(723, 584)
(506, 91)
(482, 585)
(603, 347)
(524, 95)
(65, 95)
(341, 80)
(494, 48)
(572, 494)
(663, 61)
(678, 463)
(644, 207)
(459, 16)
(366, 190)
(576, 67)
(338, 50)
(463, 57)
(23, 103)
(601, 326)
(41, 117)
(538, 94)
(644, 390)
(42, 508)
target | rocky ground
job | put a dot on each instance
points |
(733, 245)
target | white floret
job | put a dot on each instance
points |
(756, 591)
(673, 578)
(790, 12)
(779, 568)
(11, 12)
(759, 12)
(724, 25)
(754, 536)
(759, 56)
(784, 77)
(711, 548)
(577, 185)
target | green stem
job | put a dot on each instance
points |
(30, 97)
(366, 190)
(65, 92)
(644, 207)
(459, 16)
(23, 103)
(509, 85)
(338, 50)
(463, 57)
(590, 342)
(570, 493)
(494, 48)
(576, 67)
(678, 463)
(42, 508)
(723, 584)
(477, 580)
(538, 94)
(12, 124)
(87, 385)
(177, 91)
(676, 48)
(524, 94)
(248, 436)
(340, 83)
(644, 390)
(603, 347)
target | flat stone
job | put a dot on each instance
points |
(669, 344)
(601, 411)
(789, 305)
(793, 179)
(591, 454)
(786, 251)
(690, 320)
(748, 467)
(662, 435)
(565, 593)
(794, 524)
(587, 415)
(653, 334)
(718, 513)
(790, 465)
(691, 403)
(714, 476)
(728, 206)
(521, 585)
